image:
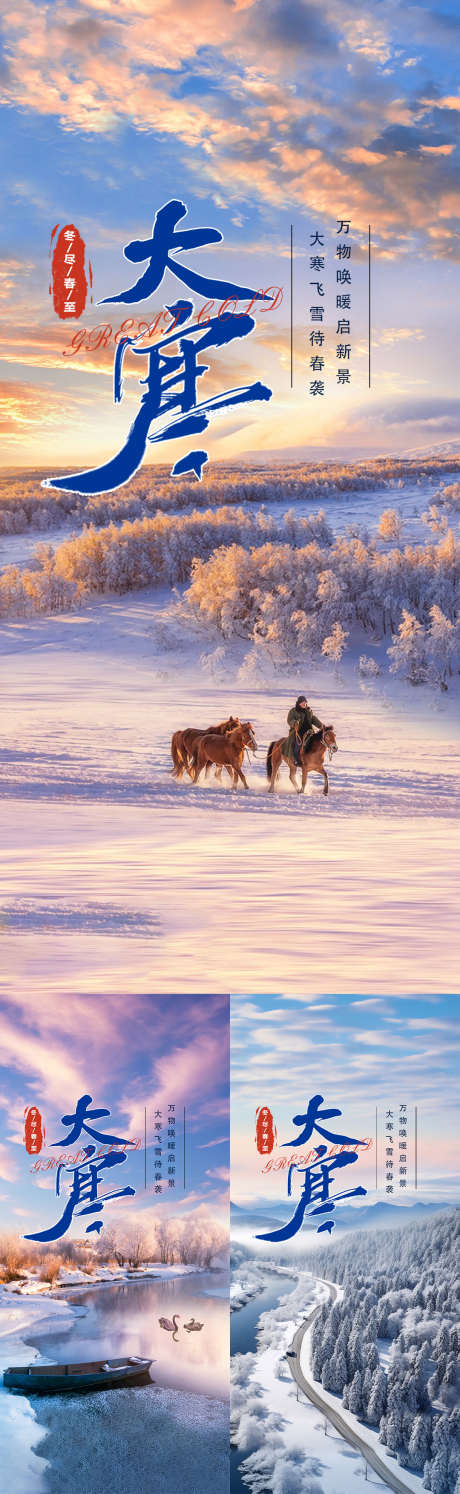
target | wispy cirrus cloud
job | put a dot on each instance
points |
(308, 121)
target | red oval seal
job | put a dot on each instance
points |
(265, 1130)
(34, 1131)
(69, 282)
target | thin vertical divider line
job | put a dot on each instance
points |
(369, 301)
(292, 305)
(145, 1146)
(184, 1150)
(416, 1144)
(376, 1145)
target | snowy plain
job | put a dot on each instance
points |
(134, 880)
(114, 876)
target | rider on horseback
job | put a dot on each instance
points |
(301, 722)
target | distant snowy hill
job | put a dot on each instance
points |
(439, 448)
(372, 1216)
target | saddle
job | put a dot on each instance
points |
(299, 742)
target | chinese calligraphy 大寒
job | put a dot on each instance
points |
(319, 1175)
(170, 394)
(84, 1197)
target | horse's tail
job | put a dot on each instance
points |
(178, 761)
(269, 761)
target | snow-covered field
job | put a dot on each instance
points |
(134, 881)
(130, 1440)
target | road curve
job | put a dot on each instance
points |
(339, 1422)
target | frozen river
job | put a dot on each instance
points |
(123, 1319)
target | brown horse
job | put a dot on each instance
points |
(183, 744)
(312, 755)
(226, 751)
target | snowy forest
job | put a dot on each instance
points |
(176, 1241)
(388, 1347)
(402, 1286)
(25, 504)
(283, 582)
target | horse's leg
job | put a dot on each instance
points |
(279, 760)
(199, 764)
(276, 764)
(293, 775)
(326, 780)
(304, 777)
(188, 759)
(243, 779)
(177, 757)
(273, 773)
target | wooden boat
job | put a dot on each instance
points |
(100, 1374)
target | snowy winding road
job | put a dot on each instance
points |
(310, 1389)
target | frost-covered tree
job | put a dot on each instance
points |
(442, 648)
(408, 653)
(377, 1398)
(419, 1442)
(355, 1394)
(333, 646)
(390, 525)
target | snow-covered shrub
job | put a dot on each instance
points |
(369, 668)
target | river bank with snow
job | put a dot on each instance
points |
(174, 1428)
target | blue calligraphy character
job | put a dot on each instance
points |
(310, 1124)
(170, 397)
(84, 1193)
(79, 1120)
(315, 1190)
(159, 251)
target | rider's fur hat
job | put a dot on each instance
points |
(299, 700)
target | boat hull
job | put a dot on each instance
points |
(49, 1384)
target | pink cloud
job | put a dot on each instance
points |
(181, 1077)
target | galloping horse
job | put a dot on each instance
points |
(183, 744)
(312, 755)
(227, 751)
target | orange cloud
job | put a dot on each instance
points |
(437, 150)
(24, 407)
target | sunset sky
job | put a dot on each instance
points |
(359, 1053)
(128, 1054)
(258, 114)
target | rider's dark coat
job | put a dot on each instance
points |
(300, 720)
